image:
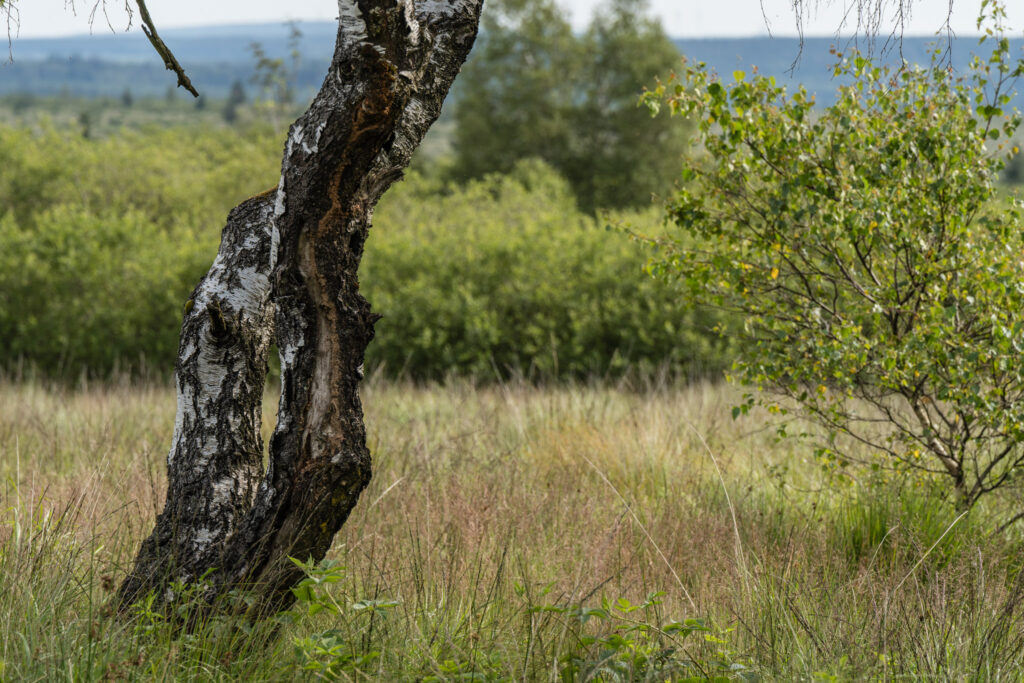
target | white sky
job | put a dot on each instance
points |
(682, 18)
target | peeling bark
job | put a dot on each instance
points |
(216, 458)
(289, 262)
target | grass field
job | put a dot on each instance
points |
(516, 533)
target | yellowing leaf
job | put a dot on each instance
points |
(775, 273)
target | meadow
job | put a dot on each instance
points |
(516, 532)
(564, 487)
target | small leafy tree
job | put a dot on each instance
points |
(275, 79)
(236, 98)
(533, 88)
(877, 270)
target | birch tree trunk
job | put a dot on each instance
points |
(287, 269)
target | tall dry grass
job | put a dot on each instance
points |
(492, 513)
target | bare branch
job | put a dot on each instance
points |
(9, 12)
(869, 19)
(170, 61)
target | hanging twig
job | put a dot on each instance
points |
(170, 61)
(13, 25)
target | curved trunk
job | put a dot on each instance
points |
(393, 65)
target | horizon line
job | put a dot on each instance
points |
(108, 31)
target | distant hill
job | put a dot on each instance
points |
(811, 64)
(219, 44)
(106, 64)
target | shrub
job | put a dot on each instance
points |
(878, 272)
(84, 291)
(505, 275)
(104, 239)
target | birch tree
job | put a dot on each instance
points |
(287, 271)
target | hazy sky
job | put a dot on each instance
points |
(685, 18)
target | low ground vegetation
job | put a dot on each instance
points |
(512, 532)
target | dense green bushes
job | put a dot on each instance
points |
(505, 273)
(174, 177)
(103, 240)
(82, 290)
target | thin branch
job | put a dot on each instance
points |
(170, 61)
(1006, 525)
(13, 25)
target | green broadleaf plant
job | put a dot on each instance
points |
(877, 270)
